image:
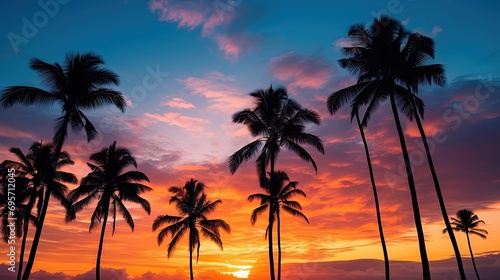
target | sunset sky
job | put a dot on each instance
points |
(187, 66)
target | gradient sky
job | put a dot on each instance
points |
(207, 56)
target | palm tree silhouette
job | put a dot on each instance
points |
(466, 221)
(376, 59)
(334, 102)
(193, 206)
(280, 201)
(80, 84)
(417, 50)
(279, 122)
(110, 185)
(34, 171)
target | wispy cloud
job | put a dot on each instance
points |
(219, 94)
(177, 102)
(190, 124)
(301, 71)
(188, 14)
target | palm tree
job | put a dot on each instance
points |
(277, 121)
(192, 204)
(110, 185)
(376, 58)
(34, 171)
(334, 102)
(417, 50)
(281, 202)
(80, 84)
(466, 221)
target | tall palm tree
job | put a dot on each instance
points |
(281, 202)
(80, 84)
(375, 59)
(277, 121)
(417, 50)
(333, 104)
(33, 178)
(110, 185)
(466, 221)
(192, 204)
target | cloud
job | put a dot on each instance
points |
(178, 103)
(301, 71)
(212, 17)
(187, 14)
(342, 43)
(433, 33)
(220, 94)
(190, 124)
(233, 45)
(436, 30)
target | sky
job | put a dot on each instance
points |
(187, 66)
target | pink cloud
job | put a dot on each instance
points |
(221, 96)
(406, 21)
(433, 33)
(435, 30)
(301, 71)
(177, 103)
(185, 13)
(193, 14)
(342, 43)
(188, 123)
(230, 46)
(190, 14)
(216, 75)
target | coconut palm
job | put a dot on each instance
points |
(33, 177)
(334, 102)
(417, 50)
(281, 201)
(80, 84)
(110, 185)
(277, 121)
(466, 221)
(192, 204)
(375, 58)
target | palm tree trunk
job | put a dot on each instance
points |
(278, 229)
(375, 196)
(45, 205)
(101, 242)
(270, 233)
(23, 244)
(38, 233)
(413, 192)
(27, 216)
(440, 196)
(191, 253)
(472, 256)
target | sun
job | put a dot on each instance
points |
(242, 273)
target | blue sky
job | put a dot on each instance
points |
(196, 62)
